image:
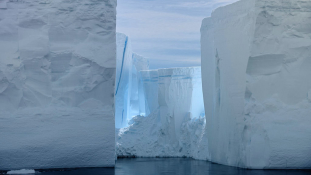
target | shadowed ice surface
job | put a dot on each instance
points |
(171, 166)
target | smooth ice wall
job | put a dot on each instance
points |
(57, 75)
(130, 99)
(180, 97)
(123, 80)
(150, 83)
(138, 96)
(256, 79)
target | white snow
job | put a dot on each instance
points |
(22, 171)
(57, 76)
(256, 78)
(176, 125)
(151, 137)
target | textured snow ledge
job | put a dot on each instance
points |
(147, 137)
(23, 171)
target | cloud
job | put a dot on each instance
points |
(167, 32)
(203, 4)
(153, 24)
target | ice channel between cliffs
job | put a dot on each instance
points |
(257, 93)
(175, 125)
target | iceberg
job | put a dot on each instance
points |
(57, 76)
(130, 98)
(175, 125)
(138, 96)
(256, 84)
(123, 80)
(180, 96)
(150, 80)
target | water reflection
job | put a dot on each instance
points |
(171, 166)
(142, 166)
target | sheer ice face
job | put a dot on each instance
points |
(173, 127)
(138, 96)
(57, 76)
(130, 99)
(180, 96)
(256, 83)
(123, 80)
(150, 84)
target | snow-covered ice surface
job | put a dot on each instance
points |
(151, 137)
(256, 83)
(176, 125)
(57, 76)
(23, 171)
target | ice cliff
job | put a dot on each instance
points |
(150, 86)
(123, 80)
(175, 124)
(256, 83)
(138, 99)
(57, 76)
(130, 99)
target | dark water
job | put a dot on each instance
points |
(171, 166)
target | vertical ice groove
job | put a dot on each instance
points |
(125, 47)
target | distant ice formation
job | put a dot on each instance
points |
(150, 86)
(123, 80)
(180, 96)
(256, 77)
(129, 92)
(175, 125)
(138, 96)
(57, 76)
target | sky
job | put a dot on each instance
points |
(167, 32)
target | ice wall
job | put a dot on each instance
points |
(150, 84)
(123, 80)
(57, 76)
(256, 78)
(175, 124)
(180, 96)
(138, 96)
(130, 97)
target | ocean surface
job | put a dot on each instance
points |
(169, 166)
